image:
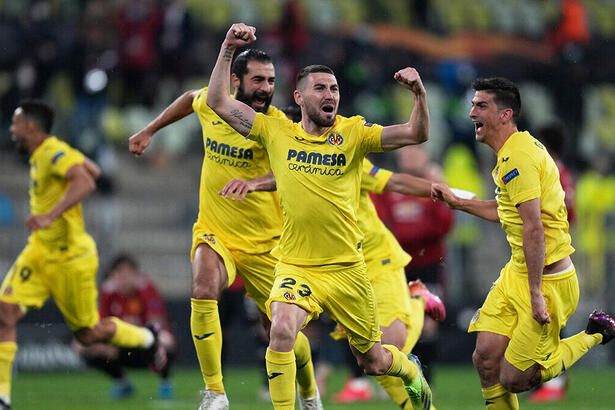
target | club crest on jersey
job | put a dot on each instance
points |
(209, 238)
(510, 176)
(335, 139)
(289, 296)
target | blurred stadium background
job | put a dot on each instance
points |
(109, 67)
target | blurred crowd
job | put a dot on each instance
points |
(109, 65)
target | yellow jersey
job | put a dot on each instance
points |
(254, 224)
(48, 184)
(318, 180)
(525, 171)
(380, 247)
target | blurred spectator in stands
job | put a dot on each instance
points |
(460, 170)
(132, 296)
(569, 38)
(138, 23)
(421, 226)
(93, 57)
(175, 40)
(595, 206)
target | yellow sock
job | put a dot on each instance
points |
(306, 382)
(417, 313)
(207, 338)
(401, 366)
(128, 335)
(281, 371)
(498, 398)
(7, 357)
(572, 349)
(396, 391)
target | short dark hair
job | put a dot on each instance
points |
(121, 259)
(293, 112)
(506, 93)
(553, 136)
(40, 112)
(315, 68)
(240, 65)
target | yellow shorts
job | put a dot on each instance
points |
(394, 302)
(507, 311)
(343, 292)
(392, 296)
(71, 281)
(256, 270)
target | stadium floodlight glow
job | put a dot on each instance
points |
(95, 80)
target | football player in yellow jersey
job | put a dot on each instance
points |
(60, 259)
(400, 316)
(317, 165)
(518, 344)
(231, 238)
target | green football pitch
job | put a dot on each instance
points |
(455, 388)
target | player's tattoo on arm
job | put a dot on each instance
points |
(228, 54)
(243, 121)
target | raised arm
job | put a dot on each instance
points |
(178, 109)
(81, 184)
(483, 209)
(416, 130)
(237, 114)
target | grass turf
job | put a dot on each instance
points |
(454, 388)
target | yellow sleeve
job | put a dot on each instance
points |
(371, 140)
(276, 112)
(260, 128)
(521, 178)
(62, 158)
(373, 178)
(198, 104)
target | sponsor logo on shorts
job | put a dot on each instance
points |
(209, 238)
(475, 317)
(335, 139)
(510, 176)
(289, 296)
(386, 261)
(358, 245)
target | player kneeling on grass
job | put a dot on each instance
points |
(133, 297)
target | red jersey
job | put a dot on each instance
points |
(419, 224)
(139, 307)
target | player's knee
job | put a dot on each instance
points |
(206, 290)
(85, 336)
(282, 335)
(9, 315)
(483, 361)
